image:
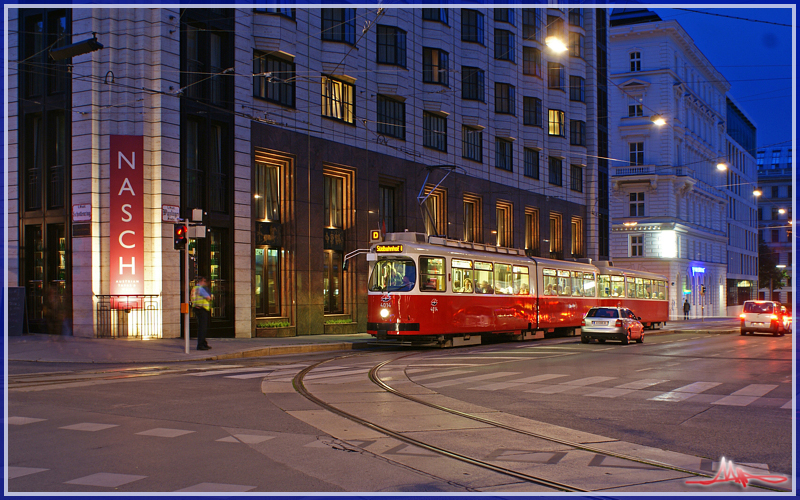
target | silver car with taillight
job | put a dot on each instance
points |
(611, 323)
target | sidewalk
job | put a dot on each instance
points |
(65, 349)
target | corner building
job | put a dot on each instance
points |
(296, 132)
(674, 212)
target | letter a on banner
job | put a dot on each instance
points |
(127, 215)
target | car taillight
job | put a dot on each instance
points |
(742, 316)
(583, 322)
(618, 323)
(774, 317)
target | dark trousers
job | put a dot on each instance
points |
(685, 314)
(203, 317)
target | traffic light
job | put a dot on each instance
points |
(702, 290)
(181, 236)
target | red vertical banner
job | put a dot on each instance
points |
(127, 217)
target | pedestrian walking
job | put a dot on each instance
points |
(686, 308)
(201, 302)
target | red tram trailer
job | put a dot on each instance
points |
(449, 292)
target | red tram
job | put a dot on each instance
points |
(449, 292)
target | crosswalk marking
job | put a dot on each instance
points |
(517, 382)
(440, 374)
(788, 405)
(476, 378)
(624, 389)
(588, 381)
(685, 392)
(565, 386)
(744, 397)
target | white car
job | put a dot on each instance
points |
(616, 323)
(763, 316)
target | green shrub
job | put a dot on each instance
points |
(338, 321)
(273, 324)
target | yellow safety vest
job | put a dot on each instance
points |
(198, 300)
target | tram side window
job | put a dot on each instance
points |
(661, 290)
(631, 287)
(588, 285)
(640, 289)
(648, 289)
(484, 277)
(617, 286)
(577, 284)
(564, 282)
(462, 275)
(431, 274)
(605, 285)
(502, 279)
(550, 282)
(393, 275)
(521, 280)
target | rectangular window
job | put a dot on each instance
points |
(502, 279)
(436, 208)
(504, 99)
(505, 224)
(555, 76)
(484, 277)
(531, 24)
(472, 143)
(577, 133)
(556, 123)
(532, 232)
(218, 174)
(576, 178)
(471, 26)
(504, 156)
(387, 212)
(338, 99)
(636, 153)
(283, 11)
(532, 163)
(503, 45)
(636, 204)
(266, 196)
(637, 246)
(435, 15)
(776, 158)
(472, 86)
(577, 89)
(635, 106)
(333, 203)
(555, 171)
(391, 117)
(434, 131)
(339, 25)
(576, 17)
(531, 61)
(556, 243)
(760, 158)
(576, 44)
(636, 61)
(391, 46)
(431, 274)
(274, 79)
(555, 27)
(435, 66)
(504, 16)
(472, 218)
(775, 194)
(532, 111)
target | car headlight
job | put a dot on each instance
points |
(384, 313)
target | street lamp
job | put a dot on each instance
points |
(722, 166)
(757, 192)
(658, 120)
(555, 44)
(76, 49)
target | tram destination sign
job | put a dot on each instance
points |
(389, 248)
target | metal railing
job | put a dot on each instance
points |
(137, 316)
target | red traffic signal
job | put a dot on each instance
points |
(181, 236)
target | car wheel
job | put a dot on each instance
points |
(584, 340)
(640, 339)
(743, 332)
(626, 338)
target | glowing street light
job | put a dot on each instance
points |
(658, 120)
(781, 211)
(555, 44)
(722, 166)
(757, 192)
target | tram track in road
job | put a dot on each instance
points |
(466, 457)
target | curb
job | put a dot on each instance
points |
(290, 349)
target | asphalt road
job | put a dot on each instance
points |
(212, 427)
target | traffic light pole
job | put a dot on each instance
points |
(186, 295)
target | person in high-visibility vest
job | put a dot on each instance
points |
(201, 302)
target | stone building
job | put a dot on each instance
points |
(294, 132)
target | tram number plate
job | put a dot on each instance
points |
(599, 322)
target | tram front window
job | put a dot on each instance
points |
(393, 275)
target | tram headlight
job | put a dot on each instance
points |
(384, 313)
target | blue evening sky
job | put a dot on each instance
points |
(754, 57)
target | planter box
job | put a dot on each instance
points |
(283, 331)
(341, 328)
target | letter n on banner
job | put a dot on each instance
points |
(127, 219)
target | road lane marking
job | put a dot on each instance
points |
(685, 392)
(476, 378)
(523, 381)
(744, 397)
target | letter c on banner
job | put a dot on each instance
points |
(123, 233)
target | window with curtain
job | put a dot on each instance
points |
(267, 198)
(338, 100)
(333, 201)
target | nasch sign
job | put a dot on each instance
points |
(127, 216)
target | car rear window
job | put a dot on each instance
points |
(755, 307)
(603, 313)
